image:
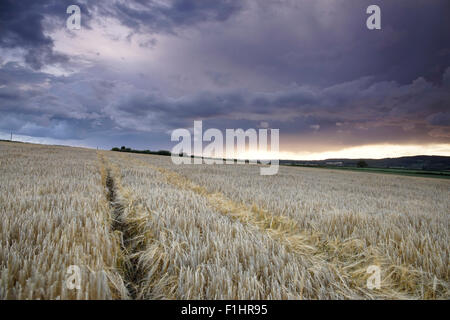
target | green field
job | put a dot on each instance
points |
(406, 172)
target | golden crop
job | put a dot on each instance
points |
(53, 214)
(140, 227)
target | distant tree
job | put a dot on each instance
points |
(164, 153)
(160, 152)
(362, 164)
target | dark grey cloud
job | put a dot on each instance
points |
(309, 68)
(22, 26)
(167, 16)
(440, 119)
(25, 24)
(355, 113)
(323, 42)
(40, 104)
(358, 112)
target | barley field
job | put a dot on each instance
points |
(140, 227)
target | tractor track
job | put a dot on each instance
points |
(130, 248)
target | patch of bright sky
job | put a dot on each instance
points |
(41, 140)
(106, 41)
(373, 151)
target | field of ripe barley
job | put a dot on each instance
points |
(140, 227)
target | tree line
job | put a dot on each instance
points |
(125, 149)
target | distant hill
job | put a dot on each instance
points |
(13, 141)
(429, 163)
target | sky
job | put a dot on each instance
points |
(137, 70)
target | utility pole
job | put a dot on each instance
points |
(11, 135)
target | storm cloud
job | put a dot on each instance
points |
(139, 69)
